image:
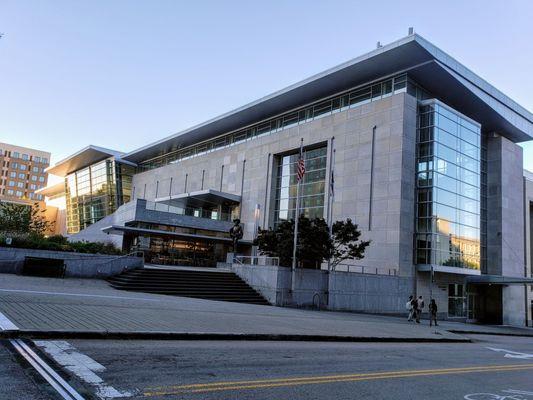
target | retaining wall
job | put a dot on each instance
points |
(381, 294)
(274, 284)
(77, 265)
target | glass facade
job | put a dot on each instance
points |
(312, 189)
(321, 108)
(448, 188)
(96, 191)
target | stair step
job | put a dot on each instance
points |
(186, 289)
(210, 285)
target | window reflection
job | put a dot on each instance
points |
(448, 187)
(312, 188)
(96, 191)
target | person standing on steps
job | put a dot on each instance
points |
(433, 312)
(419, 308)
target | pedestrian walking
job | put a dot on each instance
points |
(414, 308)
(409, 308)
(419, 308)
(433, 312)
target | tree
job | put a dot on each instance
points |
(22, 218)
(314, 242)
(346, 243)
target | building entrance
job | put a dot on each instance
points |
(485, 304)
(185, 252)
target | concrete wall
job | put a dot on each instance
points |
(274, 283)
(379, 294)
(77, 265)
(336, 290)
(505, 231)
(246, 169)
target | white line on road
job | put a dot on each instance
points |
(81, 365)
(6, 324)
(512, 354)
(77, 294)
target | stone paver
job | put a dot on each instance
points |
(93, 306)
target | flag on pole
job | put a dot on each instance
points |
(332, 183)
(300, 167)
(300, 172)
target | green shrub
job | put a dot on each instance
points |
(56, 243)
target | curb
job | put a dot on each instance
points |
(467, 332)
(142, 335)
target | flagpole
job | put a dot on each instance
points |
(331, 195)
(297, 217)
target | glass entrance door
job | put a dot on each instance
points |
(456, 301)
(472, 305)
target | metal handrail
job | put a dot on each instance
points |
(256, 260)
(365, 269)
(125, 268)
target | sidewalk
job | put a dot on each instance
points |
(85, 307)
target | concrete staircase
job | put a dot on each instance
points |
(210, 285)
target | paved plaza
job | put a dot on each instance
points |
(83, 305)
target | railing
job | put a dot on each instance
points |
(100, 270)
(256, 260)
(189, 211)
(365, 269)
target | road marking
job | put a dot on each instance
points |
(512, 391)
(495, 396)
(281, 382)
(512, 354)
(80, 365)
(78, 294)
(6, 324)
(66, 391)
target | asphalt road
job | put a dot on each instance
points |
(292, 370)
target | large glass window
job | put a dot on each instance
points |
(448, 186)
(312, 188)
(96, 191)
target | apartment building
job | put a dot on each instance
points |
(22, 173)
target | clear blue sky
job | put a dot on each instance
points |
(121, 74)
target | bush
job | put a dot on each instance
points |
(56, 243)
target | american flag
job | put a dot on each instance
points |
(301, 168)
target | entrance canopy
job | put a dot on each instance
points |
(498, 280)
(121, 230)
(200, 199)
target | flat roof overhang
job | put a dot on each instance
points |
(83, 158)
(200, 198)
(447, 269)
(52, 190)
(498, 280)
(121, 230)
(435, 70)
